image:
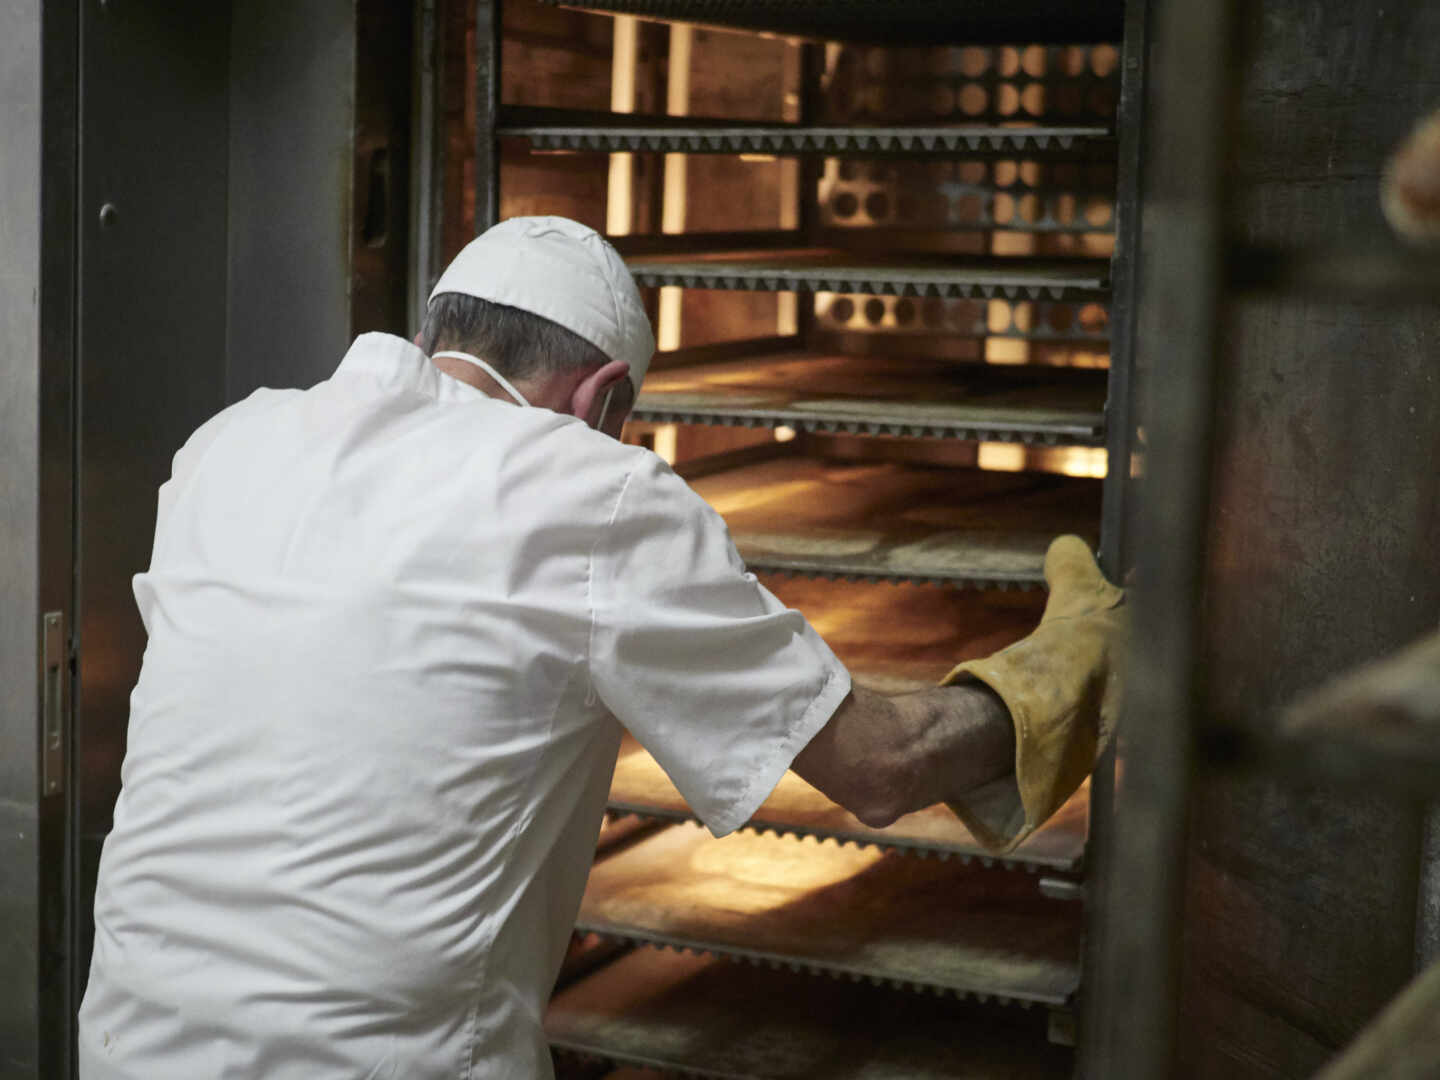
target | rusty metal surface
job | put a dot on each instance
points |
(1130, 1029)
(701, 1016)
(839, 910)
(1320, 549)
(884, 395)
(1382, 719)
(820, 270)
(1121, 504)
(795, 808)
(1387, 275)
(883, 521)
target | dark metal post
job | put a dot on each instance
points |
(427, 141)
(1180, 282)
(38, 118)
(812, 100)
(1116, 518)
(487, 108)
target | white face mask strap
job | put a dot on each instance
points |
(604, 408)
(485, 367)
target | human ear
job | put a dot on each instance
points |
(590, 392)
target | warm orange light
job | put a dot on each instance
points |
(1087, 461)
(619, 201)
(1001, 457)
(666, 442)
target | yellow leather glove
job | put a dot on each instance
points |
(1062, 685)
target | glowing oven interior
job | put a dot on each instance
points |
(891, 451)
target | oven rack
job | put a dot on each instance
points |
(880, 395)
(698, 1015)
(638, 1013)
(886, 521)
(898, 637)
(821, 270)
(908, 22)
(560, 129)
(839, 911)
(795, 809)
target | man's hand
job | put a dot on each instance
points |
(1062, 685)
(1008, 738)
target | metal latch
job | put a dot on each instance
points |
(52, 703)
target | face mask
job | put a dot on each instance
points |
(604, 408)
(485, 367)
(509, 389)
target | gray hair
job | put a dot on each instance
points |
(519, 343)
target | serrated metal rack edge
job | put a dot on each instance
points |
(590, 1055)
(899, 845)
(780, 140)
(1093, 435)
(783, 567)
(840, 973)
(693, 276)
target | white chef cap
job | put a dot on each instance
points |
(564, 272)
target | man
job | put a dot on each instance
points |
(393, 621)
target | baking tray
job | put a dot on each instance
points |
(884, 395)
(839, 910)
(701, 1016)
(829, 270)
(796, 809)
(889, 521)
(556, 129)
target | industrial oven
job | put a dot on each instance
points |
(879, 244)
(892, 253)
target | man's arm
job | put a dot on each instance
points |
(1034, 716)
(881, 757)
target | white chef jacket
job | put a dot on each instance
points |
(389, 621)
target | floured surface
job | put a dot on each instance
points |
(899, 637)
(889, 520)
(641, 786)
(709, 1017)
(825, 391)
(840, 909)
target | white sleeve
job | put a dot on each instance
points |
(715, 677)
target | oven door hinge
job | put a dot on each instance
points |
(55, 664)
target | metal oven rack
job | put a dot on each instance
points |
(940, 957)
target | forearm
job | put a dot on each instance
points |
(881, 757)
(960, 737)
